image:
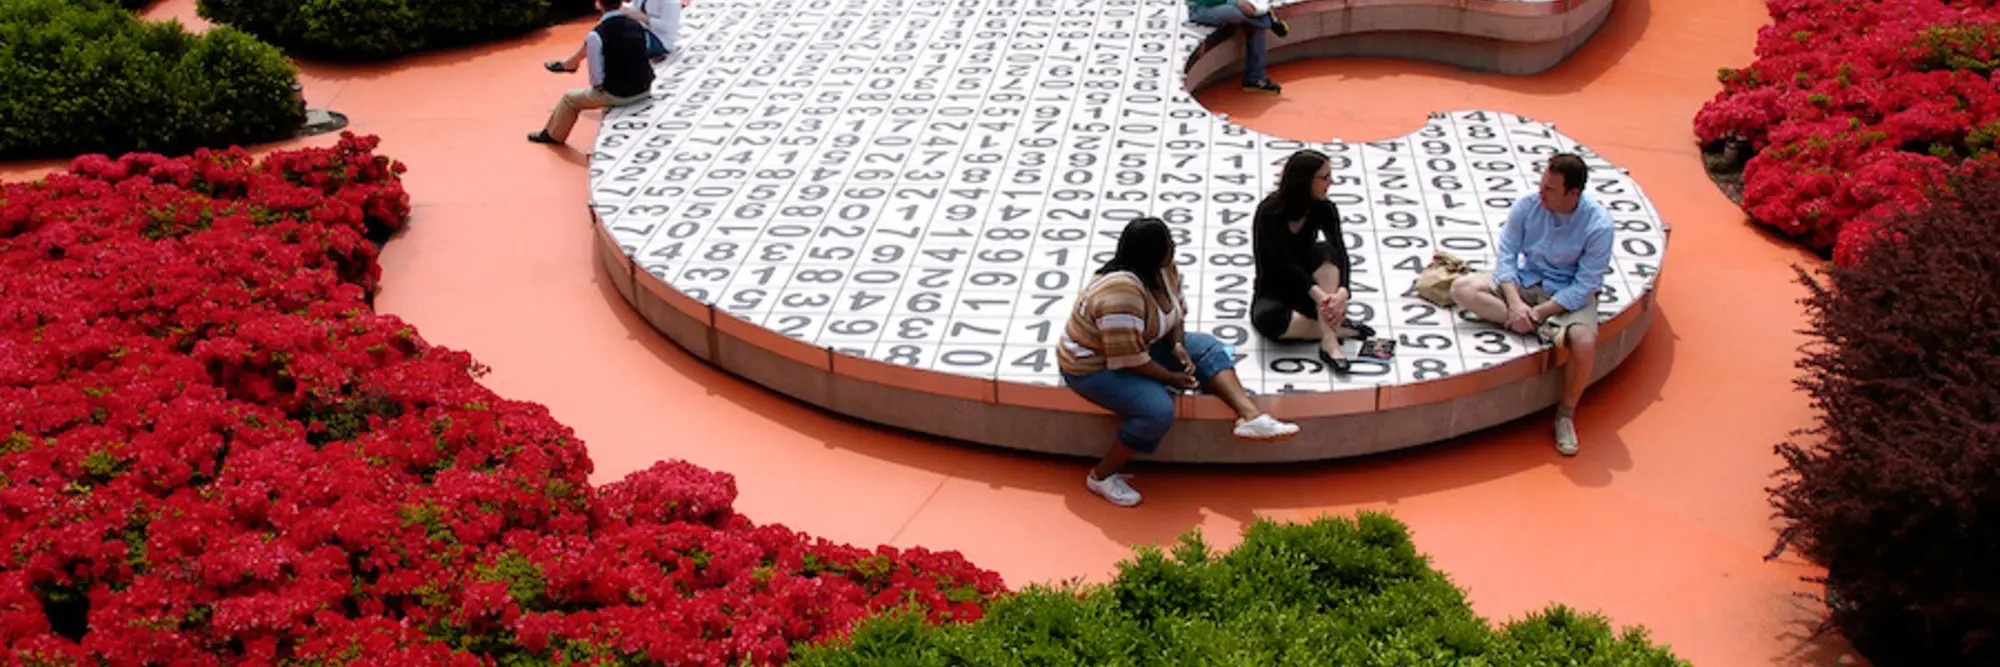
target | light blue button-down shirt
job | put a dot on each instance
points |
(1565, 254)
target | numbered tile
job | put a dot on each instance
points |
(801, 326)
(1425, 367)
(973, 360)
(913, 355)
(1030, 360)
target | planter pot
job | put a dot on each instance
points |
(1736, 152)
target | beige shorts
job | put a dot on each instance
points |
(1551, 329)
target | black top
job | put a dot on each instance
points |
(628, 70)
(1286, 259)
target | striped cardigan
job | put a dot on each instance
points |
(1116, 320)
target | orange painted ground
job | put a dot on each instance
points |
(1661, 521)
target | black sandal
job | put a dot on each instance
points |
(1360, 330)
(557, 67)
(1340, 365)
(1265, 86)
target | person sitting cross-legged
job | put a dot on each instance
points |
(1254, 22)
(1554, 250)
(620, 73)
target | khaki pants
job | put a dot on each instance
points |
(575, 101)
(1551, 330)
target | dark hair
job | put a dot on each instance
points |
(1142, 249)
(1571, 168)
(1296, 181)
(610, 5)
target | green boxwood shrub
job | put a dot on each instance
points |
(365, 30)
(1337, 591)
(91, 78)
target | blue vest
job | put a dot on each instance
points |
(628, 70)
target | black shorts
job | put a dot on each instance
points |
(1271, 317)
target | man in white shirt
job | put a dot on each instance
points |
(663, 19)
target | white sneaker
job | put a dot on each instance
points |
(1112, 488)
(1265, 427)
(1566, 436)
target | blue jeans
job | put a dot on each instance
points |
(1254, 27)
(1146, 404)
(654, 47)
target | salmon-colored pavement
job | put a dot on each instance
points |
(1662, 520)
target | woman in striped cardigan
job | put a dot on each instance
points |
(1125, 348)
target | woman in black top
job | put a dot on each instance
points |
(1301, 287)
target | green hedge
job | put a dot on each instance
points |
(92, 78)
(364, 30)
(1338, 591)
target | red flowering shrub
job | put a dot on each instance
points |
(212, 452)
(1898, 494)
(1854, 108)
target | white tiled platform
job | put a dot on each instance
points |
(927, 183)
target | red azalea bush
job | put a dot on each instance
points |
(1854, 108)
(212, 452)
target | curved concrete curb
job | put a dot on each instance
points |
(1517, 37)
(1054, 420)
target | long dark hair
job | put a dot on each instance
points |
(1296, 181)
(1142, 249)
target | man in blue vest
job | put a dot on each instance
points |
(621, 72)
(662, 19)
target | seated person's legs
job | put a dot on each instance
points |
(1480, 294)
(1294, 320)
(1254, 25)
(1236, 12)
(563, 118)
(1215, 369)
(1275, 320)
(1328, 279)
(1146, 411)
(1209, 354)
(1576, 350)
(1278, 320)
(1574, 333)
(573, 103)
(569, 64)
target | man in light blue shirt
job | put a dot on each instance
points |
(1554, 251)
